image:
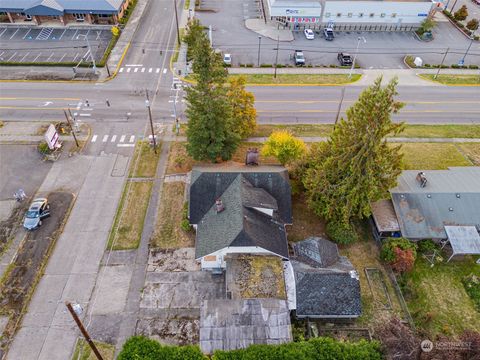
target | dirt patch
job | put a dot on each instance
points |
(305, 222)
(172, 260)
(20, 282)
(168, 232)
(9, 226)
(179, 331)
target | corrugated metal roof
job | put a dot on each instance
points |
(52, 7)
(450, 197)
(463, 239)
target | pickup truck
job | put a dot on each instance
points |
(344, 59)
(328, 33)
(299, 58)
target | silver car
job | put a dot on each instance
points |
(39, 209)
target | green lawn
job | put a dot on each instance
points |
(305, 79)
(144, 160)
(437, 299)
(84, 352)
(432, 156)
(453, 79)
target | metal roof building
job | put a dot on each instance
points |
(60, 7)
(449, 197)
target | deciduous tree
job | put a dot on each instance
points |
(461, 14)
(472, 25)
(356, 165)
(284, 146)
(243, 109)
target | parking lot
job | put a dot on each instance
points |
(379, 50)
(46, 44)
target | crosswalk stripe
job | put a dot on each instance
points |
(150, 70)
(143, 69)
(164, 71)
(158, 70)
(121, 70)
(105, 138)
(132, 138)
(94, 138)
(122, 138)
(128, 69)
(135, 70)
(125, 145)
(114, 137)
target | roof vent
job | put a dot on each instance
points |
(252, 156)
(458, 196)
(422, 179)
(219, 205)
(450, 209)
(429, 196)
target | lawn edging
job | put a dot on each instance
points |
(430, 77)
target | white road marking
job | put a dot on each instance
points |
(132, 138)
(85, 114)
(3, 32)
(121, 70)
(105, 138)
(86, 54)
(28, 32)
(79, 105)
(3, 52)
(98, 35)
(75, 58)
(143, 69)
(11, 57)
(114, 137)
(24, 56)
(150, 70)
(94, 138)
(50, 56)
(125, 145)
(158, 70)
(62, 57)
(64, 31)
(74, 34)
(87, 109)
(11, 37)
(122, 138)
(134, 65)
(128, 69)
(164, 71)
(37, 57)
(88, 32)
(135, 70)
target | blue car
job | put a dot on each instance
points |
(39, 209)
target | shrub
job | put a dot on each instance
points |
(472, 24)
(472, 287)
(141, 347)
(265, 65)
(185, 224)
(461, 14)
(43, 148)
(473, 66)
(426, 65)
(400, 253)
(409, 61)
(427, 246)
(341, 233)
(285, 147)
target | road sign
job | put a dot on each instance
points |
(51, 136)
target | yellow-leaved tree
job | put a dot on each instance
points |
(284, 146)
(243, 110)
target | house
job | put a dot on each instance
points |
(63, 11)
(320, 283)
(239, 209)
(425, 202)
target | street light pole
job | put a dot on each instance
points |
(355, 56)
(258, 57)
(176, 19)
(276, 57)
(147, 104)
(339, 107)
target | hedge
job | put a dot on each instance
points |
(140, 347)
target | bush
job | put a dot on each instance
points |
(43, 148)
(409, 61)
(472, 287)
(285, 147)
(472, 24)
(141, 347)
(400, 253)
(427, 246)
(185, 224)
(265, 65)
(426, 65)
(341, 233)
(461, 14)
(473, 66)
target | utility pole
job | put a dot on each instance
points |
(258, 57)
(176, 19)
(84, 331)
(147, 104)
(453, 6)
(441, 64)
(355, 56)
(276, 58)
(339, 107)
(71, 127)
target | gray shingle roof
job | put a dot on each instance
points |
(236, 324)
(239, 224)
(316, 252)
(56, 7)
(326, 294)
(450, 197)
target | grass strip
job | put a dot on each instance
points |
(128, 224)
(144, 161)
(432, 156)
(84, 352)
(453, 79)
(300, 79)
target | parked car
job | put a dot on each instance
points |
(227, 59)
(344, 59)
(299, 58)
(309, 34)
(39, 209)
(328, 33)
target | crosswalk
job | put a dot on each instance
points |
(130, 69)
(120, 140)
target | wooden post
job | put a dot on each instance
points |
(71, 127)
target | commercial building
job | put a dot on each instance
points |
(351, 15)
(62, 11)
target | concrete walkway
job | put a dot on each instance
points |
(269, 29)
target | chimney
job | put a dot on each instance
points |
(219, 206)
(252, 157)
(422, 179)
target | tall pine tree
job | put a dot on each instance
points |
(356, 166)
(211, 130)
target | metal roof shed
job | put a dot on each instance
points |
(465, 240)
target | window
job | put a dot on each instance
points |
(394, 15)
(382, 15)
(339, 14)
(360, 15)
(79, 17)
(372, 14)
(327, 15)
(350, 14)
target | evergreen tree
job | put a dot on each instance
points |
(243, 109)
(193, 34)
(211, 132)
(356, 166)
(461, 14)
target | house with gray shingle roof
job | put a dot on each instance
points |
(239, 210)
(64, 11)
